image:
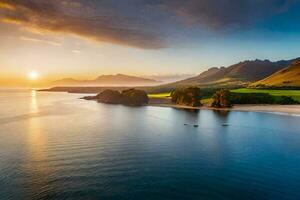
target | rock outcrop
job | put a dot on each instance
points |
(131, 97)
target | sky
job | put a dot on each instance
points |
(152, 38)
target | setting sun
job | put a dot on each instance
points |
(33, 75)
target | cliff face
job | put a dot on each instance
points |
(131, 97)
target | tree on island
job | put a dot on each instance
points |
(190, 96)
(221, 99)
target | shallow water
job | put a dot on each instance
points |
(56, 146)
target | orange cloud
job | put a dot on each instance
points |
(40, 41)
(8, 6)
(10, 21)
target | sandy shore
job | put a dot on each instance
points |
(275, 109)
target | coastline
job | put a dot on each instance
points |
(291, 110)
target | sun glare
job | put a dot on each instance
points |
(33, 75)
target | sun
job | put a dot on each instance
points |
(33, 75)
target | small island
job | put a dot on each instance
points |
(130, 97)
(190, 96)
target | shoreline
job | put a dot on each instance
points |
(291, 110)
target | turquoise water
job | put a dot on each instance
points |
(56, 146)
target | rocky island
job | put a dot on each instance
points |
(130, 97)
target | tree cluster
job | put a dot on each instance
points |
(190, 96)
(225, 98)
(222, 99)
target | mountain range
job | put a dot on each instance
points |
(108, 80)
(254, 73)
(242, 73)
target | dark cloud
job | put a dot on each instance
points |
(95, 21)
(138, 23)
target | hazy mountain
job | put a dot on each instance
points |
(108, 80)
(169, 78)
(243, 72)
(289, 76)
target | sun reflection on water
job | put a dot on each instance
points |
(37, 165)
(34, 104)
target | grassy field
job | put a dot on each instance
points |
(160, 95)
(204, 101)
(295, 94)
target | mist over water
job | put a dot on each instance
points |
(56, 146)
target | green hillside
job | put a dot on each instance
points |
(287, 77)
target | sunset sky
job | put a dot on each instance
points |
(87, 38)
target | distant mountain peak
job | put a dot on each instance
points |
(108, 80)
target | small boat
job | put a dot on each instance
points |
(225, 124)
(196, 125)
(185, 124)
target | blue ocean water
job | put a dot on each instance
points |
(56, 146)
